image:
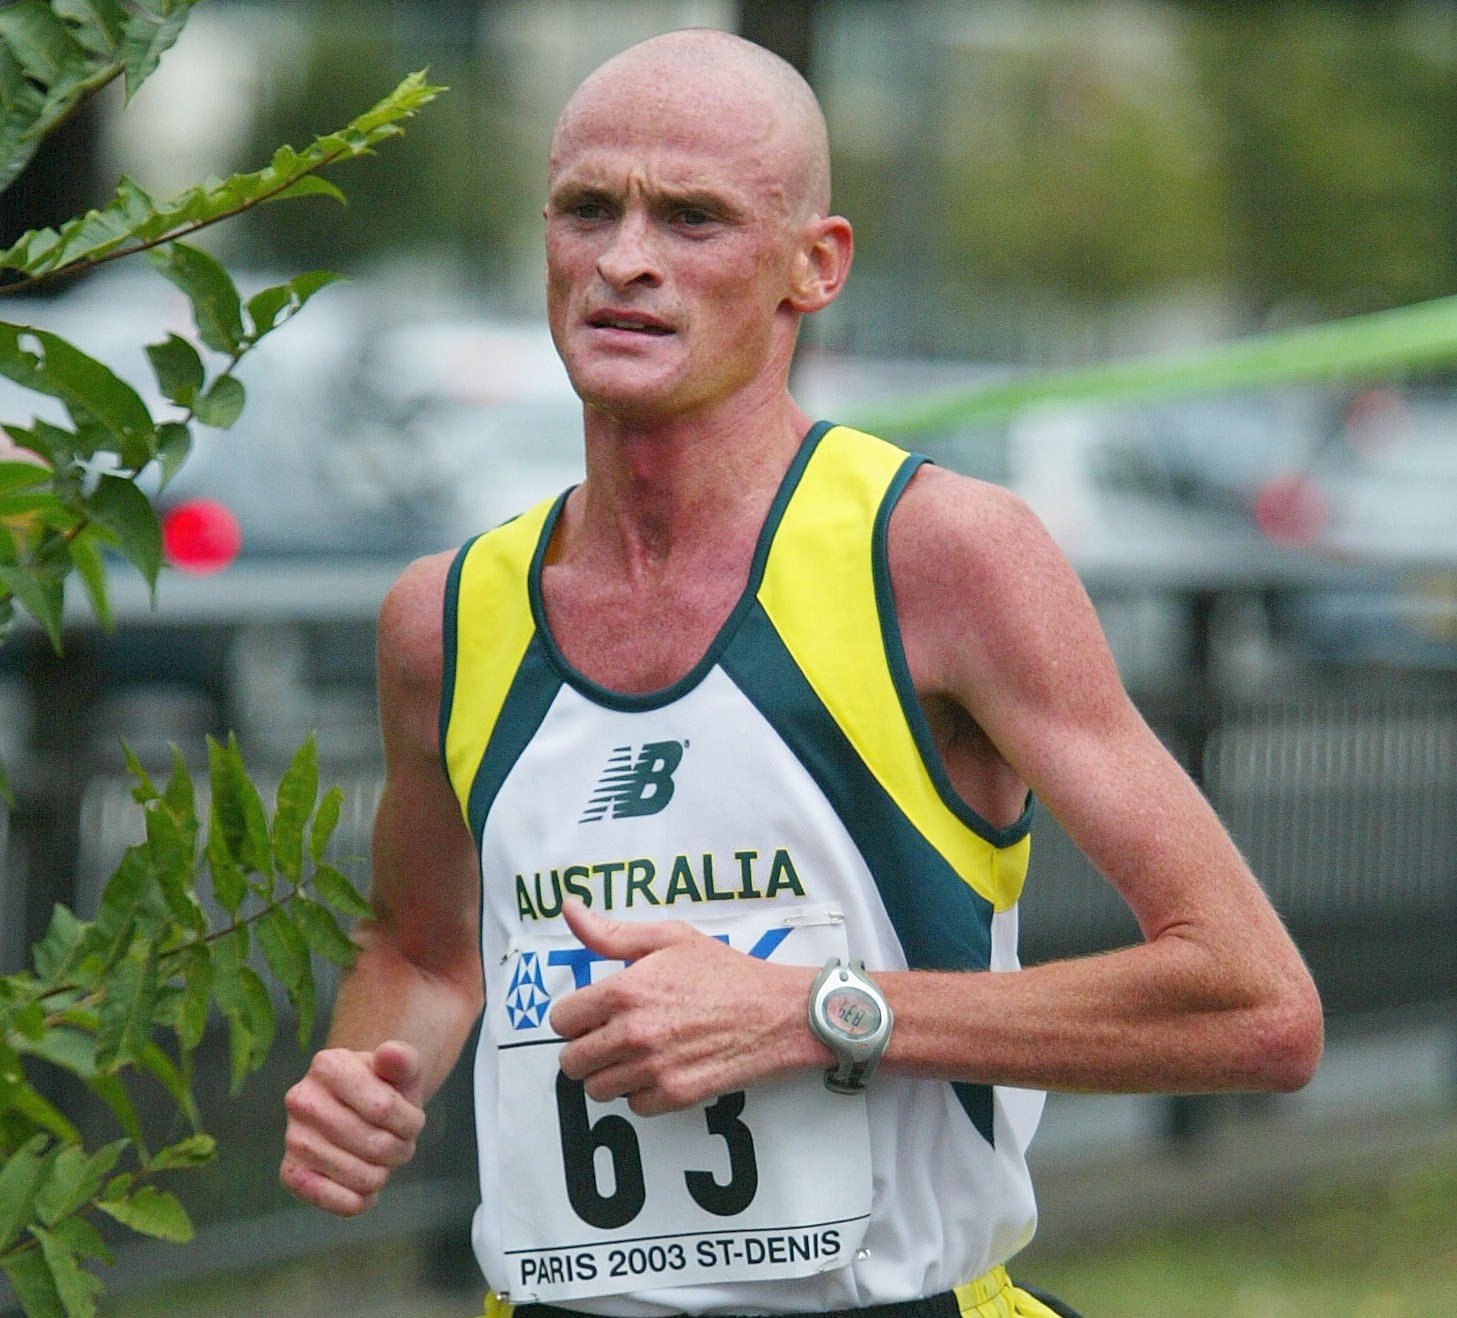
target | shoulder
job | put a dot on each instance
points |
(982, 589)
(410, 634)
(951, 533)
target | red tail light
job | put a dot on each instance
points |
(200, 537)
(1291, 510)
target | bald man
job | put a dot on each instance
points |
(672, 759)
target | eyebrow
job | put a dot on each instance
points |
(569, 192)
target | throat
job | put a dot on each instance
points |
(639, 637)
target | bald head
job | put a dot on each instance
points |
(704, 82)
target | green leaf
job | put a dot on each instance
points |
(152, 1212)
(179, 798)
(41, 596)
(22, 1175)
(30, 1020)
(178, 368)
(271, 307)
(228, 884)
(228, 955)
(90, 564)
(222, 404)
(96, 25)
(75, 1178)
(174, 443)
(82, 1238)
(93, 394)
(1351, 349)
(259, 1011)
(53, 955)
(326, 820)
(284, 948)
(322, 931)
(35, 1288)
(123, 510)
(342, 895)
(156, 1063)
(216, 308)
(38, 40)
(72, 1050)
(148, 36)
(194, 1151)
(111, 1091)
(294, 802)
(22, 476)
(127, 1009)
(237, 810)
(131, 901)
(145, 790)
(310, 185)
(17, 1095)
(76, 1287)
(305, 1000)
(173, 854)
(241, 1048)
(192, 1011)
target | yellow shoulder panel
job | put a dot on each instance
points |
(494, 625)
(819, 591)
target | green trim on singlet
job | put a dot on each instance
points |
(900, 671)
(487, 580)
(634, 702)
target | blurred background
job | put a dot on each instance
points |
(1034, 184)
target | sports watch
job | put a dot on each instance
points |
(851, 1017)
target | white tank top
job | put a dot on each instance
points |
(786, 797)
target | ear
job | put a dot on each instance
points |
(821, 264)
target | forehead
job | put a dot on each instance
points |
(703, 136)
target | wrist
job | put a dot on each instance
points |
(849, 1015)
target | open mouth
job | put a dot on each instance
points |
(627, 322)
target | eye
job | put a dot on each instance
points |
(589, 211)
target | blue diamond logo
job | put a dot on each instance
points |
(527, 1000)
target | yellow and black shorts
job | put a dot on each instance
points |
(992, 1295)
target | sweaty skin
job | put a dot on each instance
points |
(687, 233)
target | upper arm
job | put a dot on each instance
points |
(995, 619)
(426, 880)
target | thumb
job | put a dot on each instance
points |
(621, 940)
(398, 1064)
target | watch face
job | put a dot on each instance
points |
(852, 1012)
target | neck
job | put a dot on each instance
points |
(657, 494)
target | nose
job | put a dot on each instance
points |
(630, 254)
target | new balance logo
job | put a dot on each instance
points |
(635, 786)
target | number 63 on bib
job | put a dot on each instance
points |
(757, 1185)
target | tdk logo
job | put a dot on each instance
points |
(641, 785)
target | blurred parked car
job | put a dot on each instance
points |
(1364, 481)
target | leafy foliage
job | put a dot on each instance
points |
(133, 993)
(53, 56)
(222, 898)
(132, 221)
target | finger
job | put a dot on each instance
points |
(398, 1064)
(317, 1114)
(621, 940)
(317, 1190)
(315, 1150)
(352, 1079)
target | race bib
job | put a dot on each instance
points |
(757, 1185)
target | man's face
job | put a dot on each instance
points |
(669, 244)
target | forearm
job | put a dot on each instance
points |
(386, 995)
(1157, 1017)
